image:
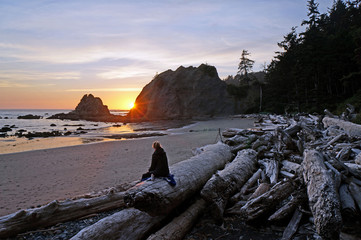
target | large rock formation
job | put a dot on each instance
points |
(185, 93)
(90, 108)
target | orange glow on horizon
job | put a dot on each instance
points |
(131, 105)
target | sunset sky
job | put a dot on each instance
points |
(54, 52)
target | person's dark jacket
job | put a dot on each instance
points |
(159, 166)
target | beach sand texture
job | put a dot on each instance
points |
(33, 178)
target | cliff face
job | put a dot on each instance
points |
(184, 93)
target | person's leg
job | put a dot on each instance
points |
(145, 176)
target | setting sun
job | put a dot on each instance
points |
(131, 105)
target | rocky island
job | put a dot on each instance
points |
(90, 108)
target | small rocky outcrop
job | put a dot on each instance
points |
(90, 108)
(29, 116)
(183, 94)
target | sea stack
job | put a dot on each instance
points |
(90, 108)
(183, 94)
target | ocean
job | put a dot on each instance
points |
(78, 132)
(10, 118)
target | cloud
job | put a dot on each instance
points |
(7, 84)
(37, 76)
(53, 41)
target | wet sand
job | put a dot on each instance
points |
(32, 178)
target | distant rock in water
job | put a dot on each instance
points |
(29, 116)
(183, 94)
(90, 108)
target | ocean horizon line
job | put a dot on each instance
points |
(44, 109)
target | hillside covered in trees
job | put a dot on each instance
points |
(320, 67)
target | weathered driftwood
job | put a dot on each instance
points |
(348, 207)
(158, 197)
(178, 227)
(287, 174)
(323, 199)
(236, 140)
(291, 166)
(298, 198)
(261, 189)
(126, 224)
(355, 168)
(329, 114)
(358, 159)
(225, 183)
(56, 212)
(292, 225)
(336, 175)
(356, 193)
(231, 132)
(293, 130)
(250, 182)
(272, 170)
(352, 129)
(265, 203)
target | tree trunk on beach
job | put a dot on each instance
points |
(123, 225)
(178, 227)
(159, 198)
(350, 128)
(225, 183)
(56, 212)
(322, 196)
(265, 203)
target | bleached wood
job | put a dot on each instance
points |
(265, 203)
(124, 225)
(56, 212)
(272, 169)
(178, 227)
(225, 183)
(291, 166)
(158, 197)
(250, 182)
(352, 129)
(323, 198)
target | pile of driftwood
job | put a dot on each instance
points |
(304, 170)
(308, 167)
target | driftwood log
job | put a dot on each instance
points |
(225, 183)
(323, 198)
(56, 212)
(250, 182)
(348, 207)
(356, 193)
(159, 198)
(266, 202)
(126, 224)
(352, 129)
(178, 227)
(292, 226)
(298, 198)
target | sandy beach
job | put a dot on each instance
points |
(33, 178)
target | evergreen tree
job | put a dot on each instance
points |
(246, 64)
(321, 66)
